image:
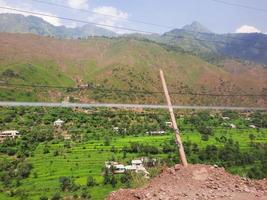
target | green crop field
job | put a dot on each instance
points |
(79, 158)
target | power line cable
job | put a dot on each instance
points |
(240, 5)
(129, 29)
(99, 13)
(142, 22)
(76, 20)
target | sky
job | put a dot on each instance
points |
(217, 17)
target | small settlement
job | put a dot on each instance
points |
(136, 166)
(12, 134)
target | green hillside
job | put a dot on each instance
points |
(121, 63)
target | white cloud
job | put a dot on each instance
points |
(78, 4)
(51, 20)
(247, 29)
(110, 16)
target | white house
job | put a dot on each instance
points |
(155, 132)
(59, 123)
(226, 118)
(116, 129)
(169, 124)
(9, 134)
(136, 166)
(252, 126)
(116, 167)
(83, 86)
(119, 169)
(232, 125)
(137, 163)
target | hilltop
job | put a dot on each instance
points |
(121, 63)
(195, 37)
(196, 182)
(17, 23)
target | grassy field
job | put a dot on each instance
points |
(88, 158)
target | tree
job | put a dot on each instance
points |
(106, 177)
(205, 137)
(113, 181)
(90, 181)
(24, 169)
(205, 130)
(85, 193)
(126, 179)
(56, 196)
(106, 141)
(255, 172)
(252, 137)
(43, 197)
(67, 184)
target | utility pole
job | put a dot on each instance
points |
(174, 124)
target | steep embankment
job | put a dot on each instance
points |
(121, 63)
(201, 182)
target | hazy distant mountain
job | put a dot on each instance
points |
(200, 41)
(16, 23)
(247, 46)
(196, 27)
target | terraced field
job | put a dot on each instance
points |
(87, 158)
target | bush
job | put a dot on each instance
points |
(204, 137)
(85, 193)
(56, 196)
(90, 181)
(67, 184)
(43, 197)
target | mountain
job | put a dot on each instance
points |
(16, 23)
(194, 38)
(112, 64)
(197, 39)
(196, 27)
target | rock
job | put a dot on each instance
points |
(177, 167)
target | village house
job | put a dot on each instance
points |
(252, 126)
(9, 134)
(226, 118)
(155, 132)
(59, 123)
(168, 124)
(232, 125)
(136, 166)
(83, 86)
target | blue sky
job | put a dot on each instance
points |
(217, 17)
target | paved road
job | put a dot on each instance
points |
(151, 106)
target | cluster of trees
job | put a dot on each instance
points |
(229, 155)
(141, 148)
(13, 171)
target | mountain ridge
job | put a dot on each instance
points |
(17, 23)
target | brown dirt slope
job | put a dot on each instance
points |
(197, 182)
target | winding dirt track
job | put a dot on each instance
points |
(197, 182)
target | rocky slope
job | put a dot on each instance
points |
(196, 182)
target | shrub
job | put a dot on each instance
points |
(56, 196)
(90, 181)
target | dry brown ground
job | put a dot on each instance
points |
(196, 182)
